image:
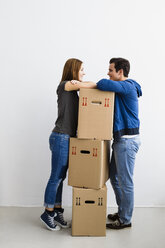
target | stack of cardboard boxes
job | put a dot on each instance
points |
(88, 162)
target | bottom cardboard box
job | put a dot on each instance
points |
(89, 212)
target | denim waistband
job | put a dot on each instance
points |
(60, 134)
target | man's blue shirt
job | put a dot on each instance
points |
(126, 121)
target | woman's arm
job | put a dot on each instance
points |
(76, 85)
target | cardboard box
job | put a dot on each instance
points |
(88, 163)
(89, 212)
(96, 109)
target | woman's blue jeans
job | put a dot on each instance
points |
(121, 175)
(59, 146)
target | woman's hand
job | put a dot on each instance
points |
(74, 82)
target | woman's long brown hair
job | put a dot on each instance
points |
(71, 70)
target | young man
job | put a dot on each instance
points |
(126, 139)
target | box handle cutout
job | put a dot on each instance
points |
(85, 152)
(90, 202)
(96, 102)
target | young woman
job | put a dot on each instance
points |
(65, 127)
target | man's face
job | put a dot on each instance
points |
(113, 75)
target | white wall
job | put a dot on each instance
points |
(37, 37)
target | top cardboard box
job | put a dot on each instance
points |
(96, 109)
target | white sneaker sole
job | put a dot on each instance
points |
(52, 229)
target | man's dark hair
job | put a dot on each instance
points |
(121, 63)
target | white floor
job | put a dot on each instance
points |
(21, 227)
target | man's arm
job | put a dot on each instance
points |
(121, 87)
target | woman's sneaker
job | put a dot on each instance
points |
(59, 218)
(49, 222)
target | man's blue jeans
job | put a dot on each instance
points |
(59, 146)
(121, 175)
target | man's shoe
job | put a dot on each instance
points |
(118, 225)
(59, 218)
(48, 220)
(113, 217)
